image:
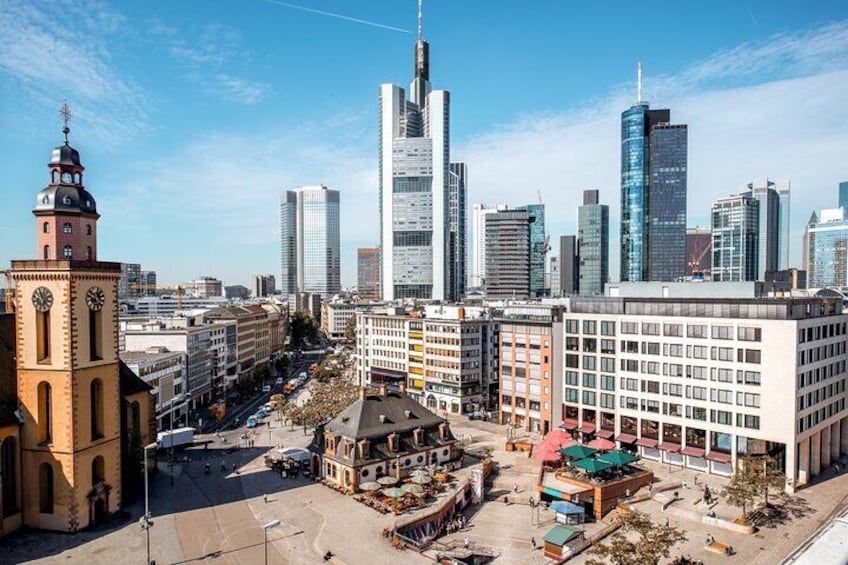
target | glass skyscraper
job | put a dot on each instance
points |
(311, 255)
(593, 244)
(773, 197)
(653, 202)
(538, 248)
(827, 241)
(843, 195)
(735, 234)
(458, 234)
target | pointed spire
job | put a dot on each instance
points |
(65, 112)
(420, 22)
(639, 82)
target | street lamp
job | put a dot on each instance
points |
(146, 524)
(265, 528)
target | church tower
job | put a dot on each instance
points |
(66, 308)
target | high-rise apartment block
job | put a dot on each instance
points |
(458, 259)
(479, 212)
(368, 273)
(310, 241)
(653, 194)
(414, 186)
(508, 247)
(735, 238)
(592, 244)
(264, 285)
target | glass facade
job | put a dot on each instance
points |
(593, 246)
(288, 242)
(634, 191)
(667, 200)
(508, 253)
(735, 238)
(843, 195)
(538, 248)
(828, 250)
(458, 235)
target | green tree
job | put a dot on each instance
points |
(639, 541)
(742, 489)
(350, 329)
(769, 475)
(303, 327)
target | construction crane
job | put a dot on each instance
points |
(547, 235)
(699, 250)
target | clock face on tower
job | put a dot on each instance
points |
(42, 299)
(95, 297)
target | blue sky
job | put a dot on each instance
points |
(193, 116)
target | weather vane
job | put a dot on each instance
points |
(65, 112)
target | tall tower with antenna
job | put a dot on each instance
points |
(414, 185)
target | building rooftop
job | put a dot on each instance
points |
(151, 354)
(130, 383)
(381, 415)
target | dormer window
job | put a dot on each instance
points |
(347, 449)
(393, 443)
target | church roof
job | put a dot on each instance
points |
(378, 415)
(65, 198)
(66, 155)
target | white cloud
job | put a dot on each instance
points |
(44, 61)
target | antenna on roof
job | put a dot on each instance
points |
(639, 82)
(420, 24)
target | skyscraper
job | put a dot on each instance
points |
(735, 234)
(508, 251)
(592, 244)
(653, 202)
(538, 248)
(458, 235)
(414, 185)
(843, 195)
(827, 241)
(368, 272)
(773, 197)
(569, 266)
(479, 212)
(264, 285)
(311, 255)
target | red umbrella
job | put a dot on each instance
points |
(601, 444)
(548, 450)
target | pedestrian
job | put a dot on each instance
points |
(666, 522)
(532, 502)
(533, 542)
(515, 488)
(465, 542)
(265, 498)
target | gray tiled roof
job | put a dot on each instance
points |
(378, 416)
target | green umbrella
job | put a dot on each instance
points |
(394, 492)
(412, 488)
(618, 458)
(421, 479)
(419, 473)
(370, 486)
(592, 466)
(578, 451)
(387, 481)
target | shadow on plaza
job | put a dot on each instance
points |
(222, 552)
(781, 510)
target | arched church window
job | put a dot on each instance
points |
(66, 177)
(69, 252)
(88, 253)
(46, 252)
(87, 229)
(98, 470)
(46, 227)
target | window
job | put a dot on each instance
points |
(749, 399)
(607, 364)
(696, 392)
(67, 228)
(752, 356)
(721, 395)
(571, 395)
(9, 476)
(749, 334)
(589, 363)
(87, 229)
(748, 377)
(672, 409)
(590, 345)
(696, 331)
(722, 332)
(629, 328)
(722, 375)
(630, 346)
(571, 378)
(699, 352)
(572, 343)
(651, 347)
(650, 329)
(96, 399)
(98, 474)
(675, 350)
(607, 400)
(45, 416)
(696, 413)
(95, 330)
(697, 372)
(673, 330)
(721, 353)
(652, 406)
(42, 331)
(46, 252)
(589, 380)
(572, 326)
(748, 421)
(45, 227)
(69, 252)
(608, 346)
(45, 488)
(651, 386)
(572, 361)
(88, 255)
(721, 417)
(590, 327)
(588, 397)
(607, 382)
(607, 328)
(675, 390)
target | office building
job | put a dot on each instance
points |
(414, 186)
(368, 273)
(701, 383)
(479, 212)
(653, 193)
(699, 245)
(508, 246)
(592, 244)
(165, 372)
(843, 195)
(458, 184)
(827, 248)
(208, 287)
(569, 265)
(773, 223)
(538, 248)
(445, 356)
(735, 238)
(553, 273)
(530, 396)
(148, 283)
(264, 285)
(130, 285)
(236, 292)
(311, 252)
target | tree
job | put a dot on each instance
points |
(281, 364)
(350, 329)
(652, 541)
(326, 400)
(769, 475)
(303, 327)
(742, 489)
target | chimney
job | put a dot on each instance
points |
(382, 389)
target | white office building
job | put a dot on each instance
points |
(414, 186)
(479, 211)
(700, 383)
(310, 241)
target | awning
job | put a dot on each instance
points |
(569, 424)
(606, 434)
(625, 438)
(693, 451)
(587, 427)
(668, 446)
(718, 457)
(646, 442)
(564, 507)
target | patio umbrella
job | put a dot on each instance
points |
(387, 481)
(421, 479)
(601, 444)
(578, 451)
(419, 473)
(592, 466)
(618, 458)
(412, 488)
(394, 492)
(370, 486)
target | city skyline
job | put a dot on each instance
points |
(232, 122)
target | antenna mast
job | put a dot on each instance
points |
(639, 83)
(420, 25)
